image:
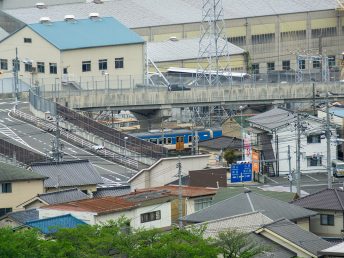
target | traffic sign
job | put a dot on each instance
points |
(241, 173)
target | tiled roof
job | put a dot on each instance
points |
(9, 173)
(146, 13)
(68, 173)
(249, 202)
(63, 196)
(327, 199)
(221, 143)
(98, 205)
(295, 234)
(23, 216)
(333, 251)
(86, 33)
(52, 224)
(181, 49)
(111, 191)
(187, 191)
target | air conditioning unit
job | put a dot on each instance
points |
(41, 5)
(93, 15)
(44, 20)
(69, 17)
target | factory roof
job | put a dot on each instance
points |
(145, 13)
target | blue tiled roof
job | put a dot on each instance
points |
(337, 111)
(51, 225)
(86, 33)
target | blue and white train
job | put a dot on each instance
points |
(179, 139)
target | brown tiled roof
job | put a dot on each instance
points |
(327, 199)
(187, 191)
(98, 205)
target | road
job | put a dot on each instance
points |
(31, 137)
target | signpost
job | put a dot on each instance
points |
(241, 173)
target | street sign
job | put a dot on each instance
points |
(241, 173)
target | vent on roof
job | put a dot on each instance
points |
(69, 18)
(94, 16)
(173, 38)
(41, 5)
(98, 1)
(45, 20)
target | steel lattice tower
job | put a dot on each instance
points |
(213, 45)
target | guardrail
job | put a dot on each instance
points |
(76, 140)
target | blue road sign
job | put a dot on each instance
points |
(241, 173)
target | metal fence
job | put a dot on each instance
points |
(124, 140)
(40, 103)
(20, 154)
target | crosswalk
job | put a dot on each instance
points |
(10, 134)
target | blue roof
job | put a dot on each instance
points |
(337, 111)
(86, 33)
(51, 225)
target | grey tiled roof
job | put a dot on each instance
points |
(63, 196)
(10, 173)
(23, 216)
(111, 191)
(249, 202)
(181, 49)
(68, 173)
(145, 13)
(327, 199)
(273, 118)
(221, 143)
(295, 234)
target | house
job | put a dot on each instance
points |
(68, 174)
(273, 131)
(333, 251)
(147, 210)
(51, 225)
(292, 237)
(18, 218)
(164, 171)
(17, 185)
(329, 204)
(68, 195)
(75, 53)
(193, 198)
(249, 202)
(111, 191)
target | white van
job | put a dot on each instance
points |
(338, 168)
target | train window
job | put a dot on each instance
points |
(154, 141)
(190, 138)
(168, 140)
(180, 139)
(160, 141)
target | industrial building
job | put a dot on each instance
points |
(274, 32)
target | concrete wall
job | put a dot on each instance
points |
(164, 171)
(21, 192)
(87, 217)
(303, 223)
(325, 230)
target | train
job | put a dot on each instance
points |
(178, 139)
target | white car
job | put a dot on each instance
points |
(97, 147)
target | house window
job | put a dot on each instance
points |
(3, 64)
(314, 161)
(302, 64)
(331, 61)
(86, 66)
(6, 188)
(271, 66)
(53, 68)
(27, 40)
(28, 67)
(316, 64)
(16, 67)
(150, 216)
(255, 68)
(102, 64)
(40, 67)
(119, 63)
(4, 211)
(326, 219)
(202, 203)
(313, 139)
(286, 65)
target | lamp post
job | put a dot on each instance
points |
(125, 152)
(55, 86)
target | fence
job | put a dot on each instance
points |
(40, 103)
(20, 154)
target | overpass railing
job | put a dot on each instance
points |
(118, 138)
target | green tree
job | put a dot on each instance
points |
(230, 156)
(235, 244)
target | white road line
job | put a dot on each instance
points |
(311, 177)
(272, 180)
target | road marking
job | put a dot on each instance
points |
(8, 119)
(272, 180)
(311, 177)
(11, 134)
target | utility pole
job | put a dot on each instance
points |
(15, 72)
(314, 112)
(298, 153)
(242, 134)
(56, 148)
(328, 141)
(290, 176)
(180, 199)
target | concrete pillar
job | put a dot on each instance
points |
(151, 118)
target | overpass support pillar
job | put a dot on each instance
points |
(152, 118)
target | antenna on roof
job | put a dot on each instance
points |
(41, 5)
(69, 18)
(45, 20)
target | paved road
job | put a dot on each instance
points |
(31, 137)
